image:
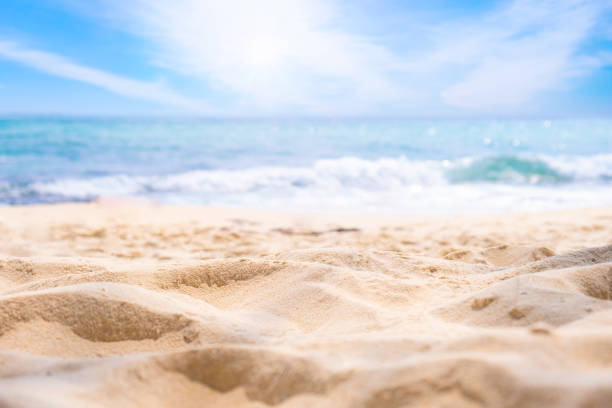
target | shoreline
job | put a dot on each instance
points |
(130, 202)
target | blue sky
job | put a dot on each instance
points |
(306, 57)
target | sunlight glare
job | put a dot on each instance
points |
(265, 52)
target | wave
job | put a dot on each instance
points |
(347, 175)
(508, 169)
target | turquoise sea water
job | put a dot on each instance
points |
(311, 164)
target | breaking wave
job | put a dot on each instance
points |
(347, 175)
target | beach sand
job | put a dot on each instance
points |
(138, 305)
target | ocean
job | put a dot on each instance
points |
(354, 165)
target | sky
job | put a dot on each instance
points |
(265, 58)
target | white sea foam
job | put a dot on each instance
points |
(582, 168)
(333, 175)
(393, 184)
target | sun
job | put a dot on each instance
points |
(265, 52)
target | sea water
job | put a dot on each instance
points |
(356, 165)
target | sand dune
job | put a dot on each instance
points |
(114, 304)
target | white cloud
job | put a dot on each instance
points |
(268, 54)
(524, 49)
(57, 65)
(294, 54)
(298, 56)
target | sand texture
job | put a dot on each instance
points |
(123, 305)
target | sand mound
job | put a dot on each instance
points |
(562, 293)
(506, 255)
(555, 298)
(97, 312)
(217, 273)
(161, 306)
(267, 376)
(587, 256)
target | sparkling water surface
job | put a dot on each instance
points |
(380, 165)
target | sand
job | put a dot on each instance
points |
(115, 304)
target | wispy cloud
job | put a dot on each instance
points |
(309, 56)
(521, 50)
(62, 67)
(295, 54)
(267, 54)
